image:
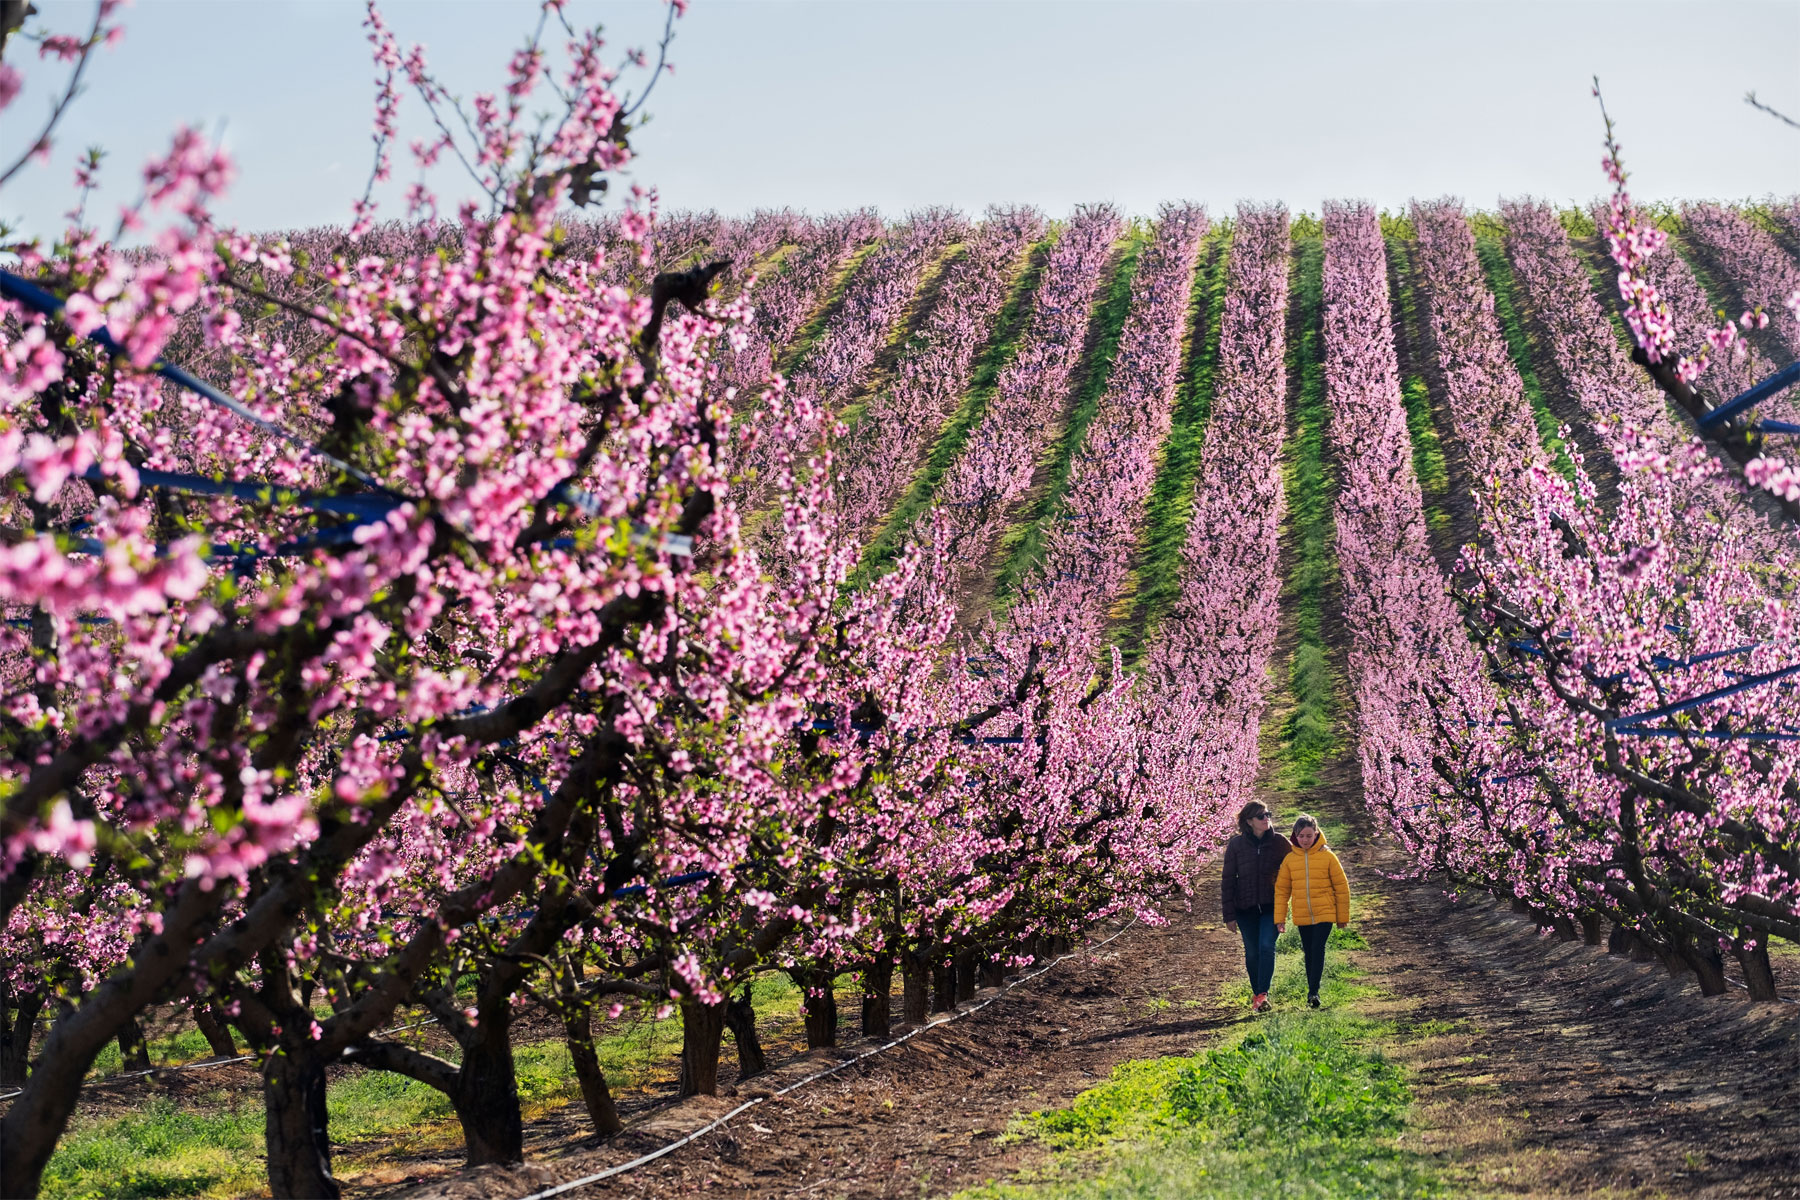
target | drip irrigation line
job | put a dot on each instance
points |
(652, 1156)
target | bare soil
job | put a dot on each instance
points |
(924, 1117)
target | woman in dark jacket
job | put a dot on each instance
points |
(1247, 894)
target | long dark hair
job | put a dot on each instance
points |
(1250, 810)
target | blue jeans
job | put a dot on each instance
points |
(1258, 930)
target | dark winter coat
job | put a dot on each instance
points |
(1251, 866)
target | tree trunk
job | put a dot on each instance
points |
(915, 991)
(1619, 940)
(820, 1003)
(212, 1028)
(17, 1024)
(878, 1000)
(993, 973)
(295, 1134)
(134, 1051)
(965, 974)
(1565, 929)
(702, 1026)
(943, 986)
(1707, 964)
(1521, 906)
(740, 1018)
(1590, 928)
(487, 1091)
(1757, 973)
(578, 1031)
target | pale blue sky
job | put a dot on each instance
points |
(836, 103)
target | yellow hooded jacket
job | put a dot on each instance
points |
(1315, 880)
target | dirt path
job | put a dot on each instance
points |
(923, 1118)
(1553, 1069)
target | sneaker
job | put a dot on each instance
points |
(1260, 1003)
(1312, 1000)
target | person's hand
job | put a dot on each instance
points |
(1343, 924)
(1281, 927)
(1231, 925)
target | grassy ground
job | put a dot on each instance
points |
(790, 357)
(1296, 1104)
(1009, 329)
(1308, 737)
(1023, 546)
(1157, 580)
(210, 1144)
(1429, 463)
(1491, 249)
(905, 334)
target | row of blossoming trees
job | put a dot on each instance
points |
(486, 635)
(1594, 714)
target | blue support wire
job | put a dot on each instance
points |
(22, 290)
(1750, 398)
(368, 507)
(865, 731)
(1636, 724)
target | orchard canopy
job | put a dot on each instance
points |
(532, 595)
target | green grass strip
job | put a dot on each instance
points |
(1003, 344)
(1023, 546)
(1429, 463)
(906, 335)
(796, 351)
(1490, 248)
(1308, 735)
(1158, 576)
(1300, 1104)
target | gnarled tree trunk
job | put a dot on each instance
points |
(1705, 961)
(702, 1027)
(578, 1031)
(993, 973)
(943, 986)
(134, 1050)
(487, 1091)
(18, 1021)
(965, 974)
(295, 1126)
(820, 1004)
(740, 1018)
(1757, 972)
(915, 998)
(212, 1027)
(877, 1001)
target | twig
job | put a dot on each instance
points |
(42, 140)
(1753, 102)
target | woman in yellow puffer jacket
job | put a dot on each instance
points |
(1313, 878)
